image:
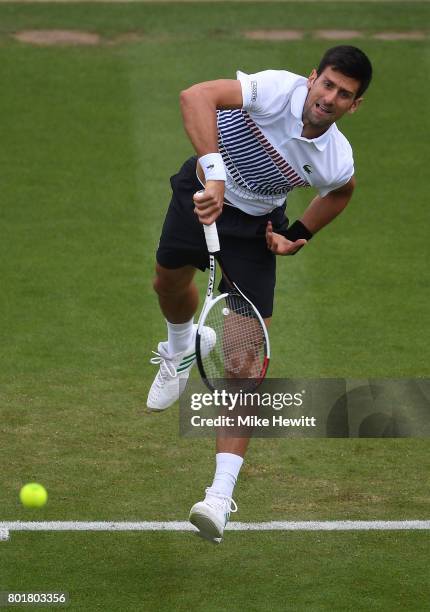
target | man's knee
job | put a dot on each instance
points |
(177, 281)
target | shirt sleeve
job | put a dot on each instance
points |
(340, 163)
(346, 174)
(266, 92)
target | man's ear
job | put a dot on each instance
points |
(312, 78)
(355, 105)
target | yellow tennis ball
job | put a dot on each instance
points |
(33, 495)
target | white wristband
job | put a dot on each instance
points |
(213, 167)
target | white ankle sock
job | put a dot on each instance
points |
(179, 336)
(227, 470)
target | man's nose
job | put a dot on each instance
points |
(330, 97)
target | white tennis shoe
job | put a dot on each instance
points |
(212, 515)
(170, 382)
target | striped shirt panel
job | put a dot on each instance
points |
(252, 162)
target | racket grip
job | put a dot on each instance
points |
(212, 240)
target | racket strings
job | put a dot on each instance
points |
(240, 349)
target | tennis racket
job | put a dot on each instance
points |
(241, 349)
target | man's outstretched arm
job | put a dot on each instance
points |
(320, 212)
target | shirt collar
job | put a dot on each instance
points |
(298, 98)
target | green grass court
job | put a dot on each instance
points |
(90, 136)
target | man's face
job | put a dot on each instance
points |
(330, 96)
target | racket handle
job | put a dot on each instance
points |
(212, 240)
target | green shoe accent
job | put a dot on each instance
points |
(183, 367)
(186, 361)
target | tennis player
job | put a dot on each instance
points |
(256, 139)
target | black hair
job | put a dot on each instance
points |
(351, 62)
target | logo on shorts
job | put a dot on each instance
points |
(307, 168)
(211, 167)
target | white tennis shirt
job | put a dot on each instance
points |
(263, 151)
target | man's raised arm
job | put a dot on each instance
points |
(199, 104)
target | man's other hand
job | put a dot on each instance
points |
(279, 245)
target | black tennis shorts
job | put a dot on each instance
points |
(242, 239)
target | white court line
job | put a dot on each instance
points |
(8, 526)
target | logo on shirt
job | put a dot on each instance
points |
(307, 168)
(253, 91)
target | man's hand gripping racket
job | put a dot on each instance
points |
(241, 350)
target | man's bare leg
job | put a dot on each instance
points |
(211, 515)
(236, 446)
(178, 299)
(177, 293)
